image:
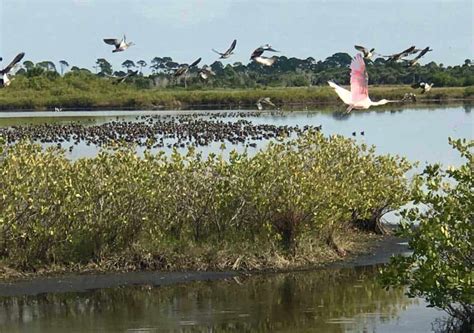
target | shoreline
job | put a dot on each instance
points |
(289, 98)
(380, 252)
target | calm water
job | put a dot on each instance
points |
(337, 300)
(343, 300)
(419, 134)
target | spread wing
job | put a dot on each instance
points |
(359, 79)
(360, 48)
(181, 70)
(15, 60)
(217, 52)
(257, 53)
(232, 47)
(195, 63)
(112, 41)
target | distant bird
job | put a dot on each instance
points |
(264, 101)
(257, 55)
(410, 97)
(398, 56)
(183, 69)
(120, 44)
(354, 133)
(367, 53)
(205, 72)
(56, 109)
(227, 53)
(414, 61)
(5, 80)
(121, 79)
(425, 87)
(358, 97)
(362, 133)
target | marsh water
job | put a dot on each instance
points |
(330, 300)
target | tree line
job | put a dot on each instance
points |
(290, 72)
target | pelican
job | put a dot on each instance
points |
(367, 53)
(120, 45)
(358, 97)
(257, 55)
(264, 100)
(5, 80)
(121, 79)
(205, 72)
(398, 56)
(227, 53)
(414, 61)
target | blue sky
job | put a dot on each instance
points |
(187, 29)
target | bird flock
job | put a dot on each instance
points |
(356, 98)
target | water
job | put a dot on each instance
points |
(419, 134)
(332, 300)
(337, 300)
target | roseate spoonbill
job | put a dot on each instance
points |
(120, 44)
(358, 97)
(227, 53)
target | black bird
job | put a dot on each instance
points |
(227, 53)
(362, 133)
(354, 133)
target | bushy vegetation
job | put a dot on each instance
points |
(441, 233)
(290, 81)
(295, 203)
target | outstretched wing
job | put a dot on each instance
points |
(359, 79)
(112, 41)
(15, 60)
(217, 52)
(232, 47)
(343, 94)
(195, 63)
(360, 48)
(257, 53)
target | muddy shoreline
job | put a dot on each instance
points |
(380, 253)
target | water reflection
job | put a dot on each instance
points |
(338, 300)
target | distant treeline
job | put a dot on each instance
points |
(286, 72)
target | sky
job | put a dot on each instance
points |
(187, 29)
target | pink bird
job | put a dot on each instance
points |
(358, 97)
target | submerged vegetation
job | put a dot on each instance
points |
(441, 267)
(296, 203)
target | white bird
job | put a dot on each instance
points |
(5, 81)
(358, 97)
(367, 53)
(56, 109)
(120, 44)
(257, 55)
(425, 87)
(205, 72)
(227, 53)
(264, 100)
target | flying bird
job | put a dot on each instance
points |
(367, 53)
(257, 55)
(264, 101)
(121, 79)
(425, 87)
(120, 44)
(5, 80)
(358, 97)
(205, 72)
(183, 69)
(398, 56)
(414, 61)
(227, 53)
